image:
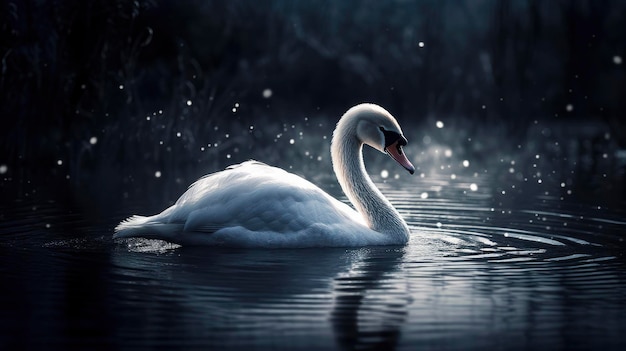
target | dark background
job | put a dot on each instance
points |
(96, 97)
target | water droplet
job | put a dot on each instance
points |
(93, 140)
(267, 93)
(228, 156)
(453, 176)
(189, 102)
(569, 107)
(384, 173)
(291, 141)
(236, 104)
(157, 174)
(420, 44)
(466, 163)
(424, 195)
(3, 169)
(121, 86)
(178, 134)
(448, 153)
(439, 124)
(59, 162)
(439, 225)
(473, 187)
(617, 60)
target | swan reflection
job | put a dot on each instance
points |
(213, 293)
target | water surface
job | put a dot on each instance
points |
(480, 272)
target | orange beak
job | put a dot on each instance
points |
(395, 151)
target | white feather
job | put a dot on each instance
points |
(256, 205)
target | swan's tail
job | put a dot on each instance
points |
(145, 227)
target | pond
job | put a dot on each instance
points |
(514, 116)
(489, 266)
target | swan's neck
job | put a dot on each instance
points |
(347, 158)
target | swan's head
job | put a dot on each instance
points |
(377, 128)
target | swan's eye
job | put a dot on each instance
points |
(392, 137)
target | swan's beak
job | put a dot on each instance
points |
(395, 151)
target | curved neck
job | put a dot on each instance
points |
(347, 159)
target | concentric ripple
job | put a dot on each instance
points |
(478, 273)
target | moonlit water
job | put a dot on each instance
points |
(482, 270)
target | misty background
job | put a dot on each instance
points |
(108, 101)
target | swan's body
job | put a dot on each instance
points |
(256, 205)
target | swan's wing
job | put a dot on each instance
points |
(258, 198)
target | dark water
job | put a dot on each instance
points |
(483, 270)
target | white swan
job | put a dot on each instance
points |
(255, 205)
